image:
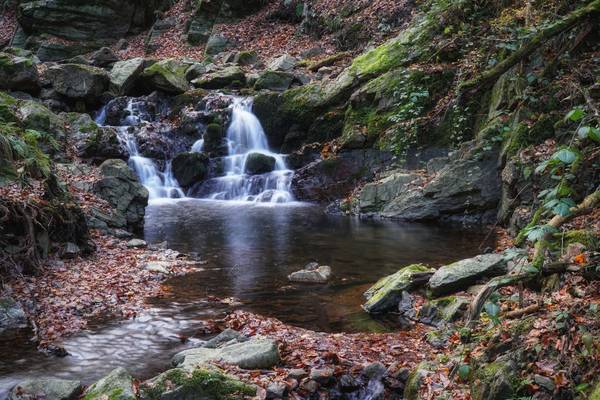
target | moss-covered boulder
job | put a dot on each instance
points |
(201, 383)
(414, 381)
(92, 141)
(46, 388)
(445, 309)
(228, 76)
(387, 292)
(274, 80)
(259, 163)
(118, 385)
(167, 75)
(8, 108)
(124, 74)
(38, 117)
(189, 168)
(77, 81)
(494, 381)
(18, 73)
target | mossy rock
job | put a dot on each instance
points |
(118, 385)
(8, 108)
(413, 383)
(167, 76)
(595, 395)
(494, 381)
(189, 168)
(387, 292)
(228, 76)
(77, 81)
(18, 73)
(37, 116)
(274, 80)
(203, 383)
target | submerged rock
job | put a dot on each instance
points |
(12, 315)
(118, 385)
(387, 292)
(312, 273)
(256, 353)
(47, 389)
(258, 163)
(462, 274)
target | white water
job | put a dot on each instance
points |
(160, 184)
(245, 136)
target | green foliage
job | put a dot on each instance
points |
(464, 372)
(493, 311)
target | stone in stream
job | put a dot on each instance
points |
(124, 75)
(117, 385)
(462, 274)
(256, 353)
(167, 75)
(189, 168)
(387, 292)
(46, 388)
(12, 315)
(258, 163)
(312, 273)
(227, 336)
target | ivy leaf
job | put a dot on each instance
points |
(464, 371)
(589, 132)
(566, 156)
(538, 232)
(492, 310)
(575, 115)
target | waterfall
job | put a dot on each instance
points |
(160, 185)
(245, 137)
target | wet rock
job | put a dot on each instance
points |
(374, 371)
(228, 336)
(259, 163)
(283, 63)
(375, 195)
(136, 243)
(70, 250)
(387, 292)
(201, 383)
(274, 80)
(276, 390)
(47, 389)
(190, 168)
(167, 75)
(222, 78)
(256, 353)
(103, 57)
(18, 73)
(297, 374)
(12, 315)
(124, 74)
(78, 82)
(464, 273)
(118, 385)
(312, 273)
(348, 383)
(323, 376)
(92, 141)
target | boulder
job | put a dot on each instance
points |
(221, 78)
(312, 273)
(47, 389)
(274, 80)
(245, 58)
(103, 57)
(38, 117)
(283, 63)
(495, 380)
(118, 385)
(136, 244)
(127, 196)
(124, 74)
(189, 168)
(18, 73)
(92, 141)
(259, 163)
(446, 309)
(387, 292)
(204, 383)
(464, 273)
(256, 353)
(218, 43)
(167, 75)
(228, 336)
(76, 81)
(12, 315)
(374, 195)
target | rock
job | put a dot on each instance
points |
(323, 376)
(283, 63)
(348, 383)
(297, 374)
(274, 80)
(406, 306)
(103, 57)
(204, 383)
(413, 382)
(190, 168)
(76, 81)
(38, 117)
(47, 389)
(259, 163)
(222, 78)
(374, 371)
(124, 74)
(118, 385)
(276, 390)
(70, 250)
(387, 292)
(218, 43)
(12, 315)
(309, 386)
(227, 336)
(194, 71)
(92, 141)
(464, 273)
(256, 353)
(375, 195)
(446, 309)
(117, 168)
(245, 58)
(544, 382)
(18, 73)
(437, 164)
(167, 75)
(160, 267)
(495, 381)
(136, 243)
(319, 274)
(126, 195)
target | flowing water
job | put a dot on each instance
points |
(249, 249)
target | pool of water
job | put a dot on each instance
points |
(248, 249)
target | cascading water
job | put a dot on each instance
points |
(160, 185)
(245, 139)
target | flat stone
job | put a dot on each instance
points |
(282, 63)
(227, 336)
(323, 376)
(320, 275)
(136, 243)
(161, 267)
(46, 388)
(276, 390)
(544, 382)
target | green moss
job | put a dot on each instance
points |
(586, 237)
(596, 392)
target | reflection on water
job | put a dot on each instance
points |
(250, 248)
